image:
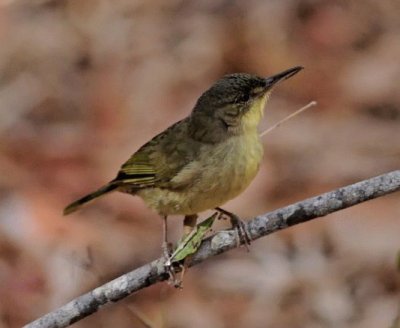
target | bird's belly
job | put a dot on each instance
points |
(223, 175)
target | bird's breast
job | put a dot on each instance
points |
(220, 173)
(233, 167)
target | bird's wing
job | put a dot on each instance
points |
(159, 161)
(138, 171)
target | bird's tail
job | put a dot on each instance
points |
(78, 203)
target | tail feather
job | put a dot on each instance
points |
(78, 203)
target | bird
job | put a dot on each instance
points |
(204, 160)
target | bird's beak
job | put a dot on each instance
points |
(274, 79)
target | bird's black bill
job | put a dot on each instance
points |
(274, 79)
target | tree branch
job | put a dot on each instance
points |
(223, 241)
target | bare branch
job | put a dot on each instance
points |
(223, 241)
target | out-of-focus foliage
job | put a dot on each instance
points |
(83, 83)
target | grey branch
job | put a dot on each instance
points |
(223, 241)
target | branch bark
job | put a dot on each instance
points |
(223, 241)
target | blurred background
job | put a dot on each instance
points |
(83, 84)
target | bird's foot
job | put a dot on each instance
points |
(175, 270)
(243, 236)
(173, 280)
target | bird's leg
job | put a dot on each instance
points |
(239, 225)
(189, 223)
(166, 251)
(165, 246)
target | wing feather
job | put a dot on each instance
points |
(158, 162)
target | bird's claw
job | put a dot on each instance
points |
(169, 268)
(172, 268)
(243, 236)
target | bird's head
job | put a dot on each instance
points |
(235, 103)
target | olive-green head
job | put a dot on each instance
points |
(233, 104)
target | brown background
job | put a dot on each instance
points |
(84, 83)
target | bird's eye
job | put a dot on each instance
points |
(243, 98)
